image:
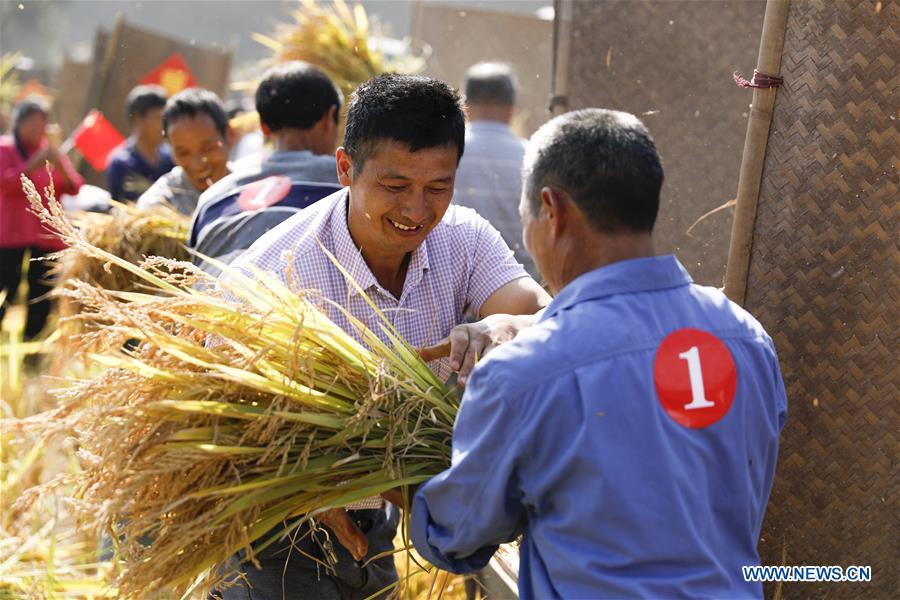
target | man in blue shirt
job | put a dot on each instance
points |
(630, 436)
(143, 157)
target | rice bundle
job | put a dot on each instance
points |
(341, 42)
(336, 39)
(241, 409)
(130, 233)
(127, 232)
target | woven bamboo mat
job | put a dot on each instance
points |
(824, 282)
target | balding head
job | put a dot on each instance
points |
(491, 83)
(491, 89)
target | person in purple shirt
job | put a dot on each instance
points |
(424, 263)
(630, 437)
(143, 157)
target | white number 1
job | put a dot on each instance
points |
(698, 393)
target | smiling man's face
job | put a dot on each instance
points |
(200, 149)
(398, 197)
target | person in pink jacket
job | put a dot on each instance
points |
(27, 150)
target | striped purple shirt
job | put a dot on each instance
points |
(458, 266)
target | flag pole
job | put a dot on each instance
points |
(67, 144)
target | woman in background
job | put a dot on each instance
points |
(196, 125)
(27, 151)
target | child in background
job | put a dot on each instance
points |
(142, 158)
(196, 125)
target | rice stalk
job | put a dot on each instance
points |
(41, 554)
(240, 408)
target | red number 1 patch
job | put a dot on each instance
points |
(264, 193)
(695, 377)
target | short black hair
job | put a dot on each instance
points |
(491, 83)
(418, 111)
(143, 99)
(605, 160)
(296, 95)
(192, 102)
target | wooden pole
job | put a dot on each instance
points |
(562, 47)
(769, 62)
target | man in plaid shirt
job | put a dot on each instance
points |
(424, 263)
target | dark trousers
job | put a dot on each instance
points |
(39, 286)
(287, 574)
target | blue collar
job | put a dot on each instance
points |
(625, 277)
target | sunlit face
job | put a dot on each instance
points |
(150, 125)
(32, 128)
(200, 149)
(399, 196)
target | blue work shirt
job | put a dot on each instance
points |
(562, 437)
(128, 175)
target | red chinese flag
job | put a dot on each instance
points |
(96, 138)
(172, 74)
